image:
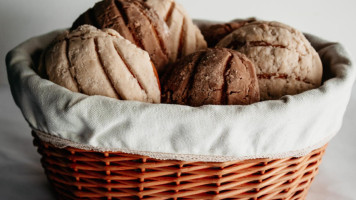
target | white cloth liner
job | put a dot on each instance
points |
(291, 126)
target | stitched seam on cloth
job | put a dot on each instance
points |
(64, 143)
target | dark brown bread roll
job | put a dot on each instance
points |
(136, 22)
(216, 76)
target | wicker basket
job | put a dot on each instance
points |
(81, 174)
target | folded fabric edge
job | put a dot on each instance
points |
(64, 143)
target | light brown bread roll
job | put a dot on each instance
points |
(285, 62)
(213, 76)
(101, 62)
(186, 37)
(214, 32)
(136, 22)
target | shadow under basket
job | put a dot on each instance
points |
(81, 174)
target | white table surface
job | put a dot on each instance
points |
(21, 175)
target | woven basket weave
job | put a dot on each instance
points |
(81, 174)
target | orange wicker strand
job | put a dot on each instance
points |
(79, 174)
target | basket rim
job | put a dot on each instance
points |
(77, 173)
(61, 143)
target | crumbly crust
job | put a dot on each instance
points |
(186, 37)
(136, 22)
(278, 52)
(214, 76)
(213, 33)
(101, 62)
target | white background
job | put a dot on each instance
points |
(21, 176)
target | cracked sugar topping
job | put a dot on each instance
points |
(216, 76)
(285, 61)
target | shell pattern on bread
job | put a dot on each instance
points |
(186, 37)
(216, 76)
(136, 22)
(101, 62)
(285, 61)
